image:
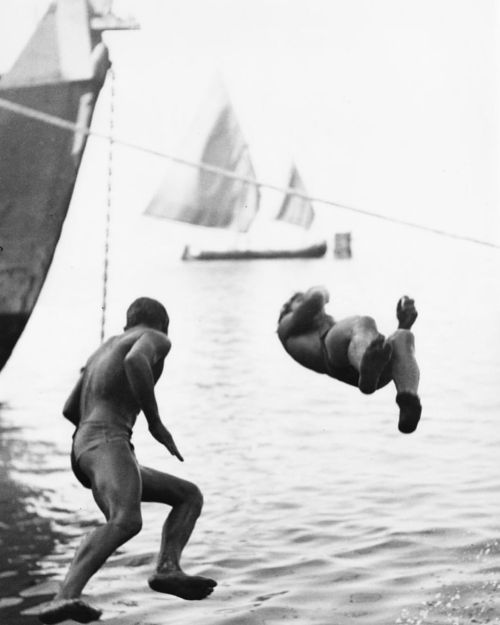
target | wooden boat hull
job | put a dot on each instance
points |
(39, 163)
(312, 251)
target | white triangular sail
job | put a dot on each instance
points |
(294, 209)
(199, 197)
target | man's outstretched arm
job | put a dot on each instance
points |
(301, 318)
(150, 349)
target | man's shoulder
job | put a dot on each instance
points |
(159, 338)
(147, 336)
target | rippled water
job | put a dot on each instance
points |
(316, 509)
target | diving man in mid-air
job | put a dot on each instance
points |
(353, 351)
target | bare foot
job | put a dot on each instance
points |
(406, 312)
(190, 587)
(410, 410)
(63, 609)
(375, 358)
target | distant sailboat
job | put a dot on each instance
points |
(296, 210)
(60, 72)
(202, 198)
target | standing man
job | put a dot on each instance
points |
(115, 385)
(353, 351)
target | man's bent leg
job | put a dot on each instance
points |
(367, 351)
(116, 486)
(406, 376)
(186, 501)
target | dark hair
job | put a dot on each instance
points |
(147, 311)
(287, 307)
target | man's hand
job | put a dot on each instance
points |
(163, 436)
(320, 289)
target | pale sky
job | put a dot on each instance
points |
(387, 105)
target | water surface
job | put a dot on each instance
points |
(316, 510)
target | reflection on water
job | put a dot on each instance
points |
(316, 508)
(26, 536)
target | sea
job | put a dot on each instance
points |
(317, 510)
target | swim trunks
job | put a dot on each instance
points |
(90, 435)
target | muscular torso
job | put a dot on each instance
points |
(106, 395)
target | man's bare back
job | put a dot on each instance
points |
(115, 385)
(106, 393)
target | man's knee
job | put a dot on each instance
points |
(193, 496)
(129, 522)
(365, 322)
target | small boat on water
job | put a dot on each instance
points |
(60, 72)
(295, 210)
(212, 200)
(317, 250)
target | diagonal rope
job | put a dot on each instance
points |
(62, 123)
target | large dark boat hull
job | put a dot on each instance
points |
(312, 251)
(39, 164)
